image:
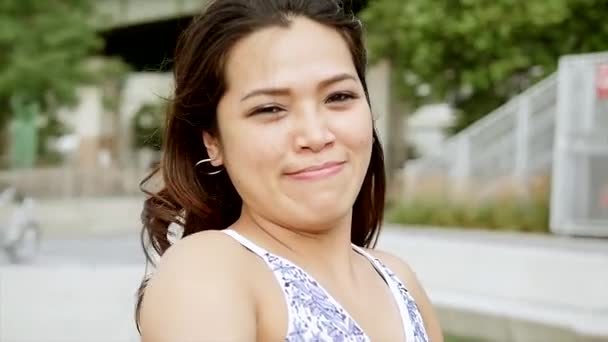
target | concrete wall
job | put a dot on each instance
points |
(86, 120)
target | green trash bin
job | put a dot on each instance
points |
(24, 136)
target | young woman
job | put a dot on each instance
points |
(272, 166)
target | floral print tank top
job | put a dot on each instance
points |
(314, 315)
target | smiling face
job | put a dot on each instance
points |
(295, 128)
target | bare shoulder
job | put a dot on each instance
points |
(214, 244)
(208, 254)
(408, 276)
(399, 266)
(198, 292)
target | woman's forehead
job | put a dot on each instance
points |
(304, 52)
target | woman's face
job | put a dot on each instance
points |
(295, 129)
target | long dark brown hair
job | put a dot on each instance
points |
(196, 201)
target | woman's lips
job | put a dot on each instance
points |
(318, 171)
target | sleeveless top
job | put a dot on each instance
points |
(314, 315)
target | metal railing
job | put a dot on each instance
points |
(515, 141)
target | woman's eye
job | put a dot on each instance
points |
(340, 97)
(267, 110)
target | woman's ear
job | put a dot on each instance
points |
(214, 150)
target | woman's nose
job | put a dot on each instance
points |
(314, 132)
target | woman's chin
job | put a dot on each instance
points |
(321, 214)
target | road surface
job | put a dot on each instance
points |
(96, 250)
(78, 289)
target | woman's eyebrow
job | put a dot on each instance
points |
(335, 79)
(285, 91)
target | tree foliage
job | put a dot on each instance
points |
(46, 52)
(476, 54)
(43, 47)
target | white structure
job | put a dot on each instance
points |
(94, 128)
(580, 172)
(426, 128)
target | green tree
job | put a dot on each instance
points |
(476, 54)
(44, 46)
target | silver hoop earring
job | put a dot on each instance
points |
(208, 160)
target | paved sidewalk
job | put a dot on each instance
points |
(68, 304)
(507, 286)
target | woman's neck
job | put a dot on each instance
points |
(325, 249)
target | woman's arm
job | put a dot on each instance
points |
(198, 294)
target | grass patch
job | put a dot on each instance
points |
(505, 211)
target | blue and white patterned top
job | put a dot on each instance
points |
(314, 315)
